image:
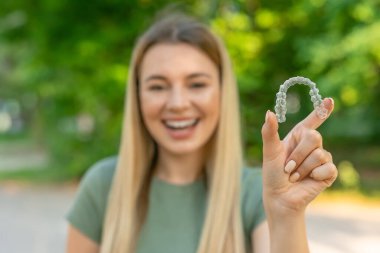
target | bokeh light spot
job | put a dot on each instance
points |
(5, 122)
(266, 19)
(349, 96)
(348, 176)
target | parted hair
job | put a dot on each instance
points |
(128, 199)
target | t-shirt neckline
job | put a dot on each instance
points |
(194, 183)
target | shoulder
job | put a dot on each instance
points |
(88, 209)
(101, 172)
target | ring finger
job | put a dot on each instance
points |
(316, 158)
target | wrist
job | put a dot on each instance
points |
(277, 210)
(288, 234)
(276, 220)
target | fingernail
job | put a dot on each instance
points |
(329, 103)
(293, 178)
(267, 116)
(290, 166)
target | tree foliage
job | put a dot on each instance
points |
(66, 63)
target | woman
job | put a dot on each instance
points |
(178, 183)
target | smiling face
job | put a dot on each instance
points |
(179, 97)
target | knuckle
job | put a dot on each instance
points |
(331, 180)
(315, 136)
(319, 154)
(302, 170)
(333, 171)
(336, 171)
(299, 130)
(329, 155)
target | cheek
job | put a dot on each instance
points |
(150, 107)
(211, 111)
(210, 104)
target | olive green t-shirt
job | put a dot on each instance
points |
(176, 212)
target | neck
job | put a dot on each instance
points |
(180, 169)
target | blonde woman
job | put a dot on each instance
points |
(178, 183)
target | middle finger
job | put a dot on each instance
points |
(316, 158)
(310, 140)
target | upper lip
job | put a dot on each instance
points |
(180, 119)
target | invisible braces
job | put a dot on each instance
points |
(280, 107)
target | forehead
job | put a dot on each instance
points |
(176, 59)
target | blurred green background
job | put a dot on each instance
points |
(63, 66)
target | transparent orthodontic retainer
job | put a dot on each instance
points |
(280, 107)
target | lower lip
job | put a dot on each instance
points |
(181, 133)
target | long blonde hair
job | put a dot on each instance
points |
(127, 204)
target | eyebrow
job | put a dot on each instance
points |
(155, 77)
(200, 74)
(160, 77)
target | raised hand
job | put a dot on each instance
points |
(297, 168)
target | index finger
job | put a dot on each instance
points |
(313, 121)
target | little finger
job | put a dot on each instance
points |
(326, 172)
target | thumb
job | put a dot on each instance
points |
(272, 146)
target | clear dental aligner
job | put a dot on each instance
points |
(280, 107)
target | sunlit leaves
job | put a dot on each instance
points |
(364, 12)
(69, 59)
(349, 95)
(266, 18)
(244, 44)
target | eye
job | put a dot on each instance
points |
(197, 85)
(156, 87)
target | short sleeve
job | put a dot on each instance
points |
(253, 212)
(88, 209)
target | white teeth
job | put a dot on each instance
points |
(180, 124)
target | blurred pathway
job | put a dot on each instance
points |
(32, 220)
(16, 155)
(344, 228)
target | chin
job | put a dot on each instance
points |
(181, 150)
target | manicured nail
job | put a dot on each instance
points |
(290, 166)
(267, 116)
(293, 178)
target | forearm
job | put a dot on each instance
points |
(288, 234)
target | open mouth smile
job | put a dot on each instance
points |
(180, 124)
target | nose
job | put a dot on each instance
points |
(178, 99)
